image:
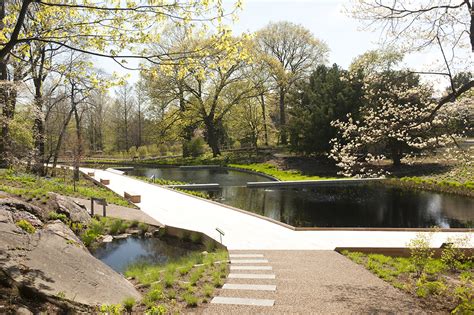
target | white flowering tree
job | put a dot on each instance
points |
(394, 123)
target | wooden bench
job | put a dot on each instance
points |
(105, 181)
(135, 198)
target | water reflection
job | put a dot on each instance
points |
(355, 206)
(122, 252)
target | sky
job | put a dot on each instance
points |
(326, 19)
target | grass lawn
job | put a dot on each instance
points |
(179, 286)
(442, 285)
(273, 171)
(31, 187)
(458, 180)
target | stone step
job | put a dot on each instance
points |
(246, 255)
(242, 301)
(250, 276)
(249, 261)
(253, 287)
(250, 267)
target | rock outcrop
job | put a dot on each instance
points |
(54, 262)
(71, 209)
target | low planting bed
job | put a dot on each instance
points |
(444, 284)
(179, 286)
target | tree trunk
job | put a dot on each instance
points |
(38, 130)
(283, 137)
(212, 136)
(7, 111)
(264, 115)
(188, 130)
(396, 153)
(60, 142)
(78, 149)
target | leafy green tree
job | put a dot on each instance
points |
(329, 94)
(291, 53)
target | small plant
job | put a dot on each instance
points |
(169, 280)
(112, 309)
(155, 294)
(58, 216)
(425, 288)
(156, 310)
(452, 254)
(26, 226)
(208, 290)
(420, 251)
(61, 295)
(128, 304)
(143, 228)
(117, 227)
(190, 299)
(464, 293)
(171, 294)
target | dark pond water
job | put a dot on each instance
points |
(120, 253)
(372, 205)
(221, 176)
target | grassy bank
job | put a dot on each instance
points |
(31, 187)
(458, 179)
(205, 159)
(272, 170)
(179, 286)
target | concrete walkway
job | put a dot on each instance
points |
(242, 230)
(308, 282)
(119, 212)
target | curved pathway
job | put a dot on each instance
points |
(243, 230)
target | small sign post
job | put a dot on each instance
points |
(100, 201)
(221, 233)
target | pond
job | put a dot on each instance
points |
(120, 253)
(372, 206)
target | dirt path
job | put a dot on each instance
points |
(308, 282)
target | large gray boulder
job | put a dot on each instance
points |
(54, 262)
(70, 208)
(17, 206)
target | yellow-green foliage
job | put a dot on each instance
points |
(26, 226)
(30, 186)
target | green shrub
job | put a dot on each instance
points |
(420, 251)
(464, 293)
(117, 226)
(452, 254)
(26, 226)
(143, 227)
(425, 288)
(196, 146)
(88, 237)
(142, 151)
